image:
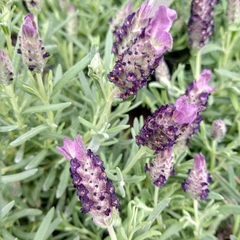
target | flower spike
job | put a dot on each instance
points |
(95, 190)
(197, 182)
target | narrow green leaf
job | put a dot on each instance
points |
(155, 213)
(214, 195)
(229, 209)
(227, 187)
(18, 176)
(8, 128)
(28, 135)
(228, 74)
(37, 159)
(42, 230)
(52, 227)
(64, 178)
(4, 211)
(234, 99)
(172, 230)
(134, 178)
(73, 71)
(47, 108)
(108, 50)
(50, 179)
(7, 235)
(27, 212)
(117, 129)
(210, 48)
(87, 124)
(148, 234)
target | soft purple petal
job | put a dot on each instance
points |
(161, 42)
(202, 83)
(29, 28)
(80, 149)
(184, 113)
(162, 20)
(67, 150)
(199, 162)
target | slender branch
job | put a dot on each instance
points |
(111, 233)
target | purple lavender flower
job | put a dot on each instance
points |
(161, 167)
(171, 123)
(95, 190)
(198, 179)
(139, 45)
(200, 25)
(33, 52)
(6, 69)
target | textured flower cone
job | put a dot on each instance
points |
(139, 45)
(201, 22)
(197, 182)
(218, 130)
(116, 22)
(172, 123)
(72, 26)
(233, 11)
(34, 6)
(95, 190)
(33, 52)
(6, 69)
(161, 168)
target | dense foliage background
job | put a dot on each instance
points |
(37, 198)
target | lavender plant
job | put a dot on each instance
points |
(95, 145)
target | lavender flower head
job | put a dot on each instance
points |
(197, 182)
(161, 168)
(6, 69)
(200, 25)
(139, 45)
(95, 190)
(33, 52)
(170, 123)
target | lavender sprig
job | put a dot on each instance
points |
(198, 179)
(6, 69)
(201, 22)
(33, 52)
(95, 190)
(139, 45)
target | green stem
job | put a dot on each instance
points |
(213, 157)
(156, 196)
(196, 232)
(10, 91)
(111, 233)
(198, 64)
(140, 152)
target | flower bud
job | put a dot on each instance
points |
(198, 179)
(200, 25)
(162, 72)
(233, 11)
(34, 6)
(72, 25)
(161, 168)
(6, 69)
(218, 130)
(95, 190)
(96, 67)
(33, 52)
